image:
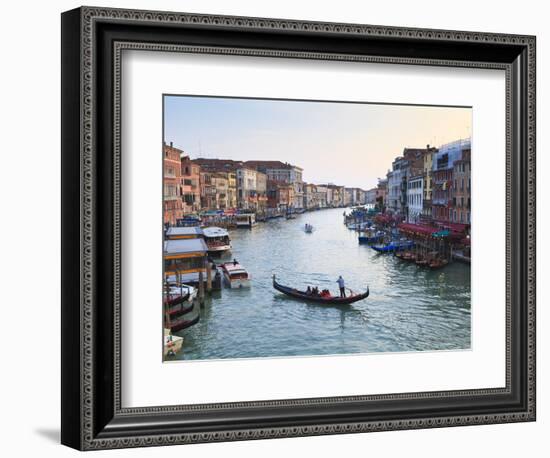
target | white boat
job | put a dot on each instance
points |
(308, 228)
(235, 275)
(245, 220)
(217, 240)
(172, 344)
(181, 290)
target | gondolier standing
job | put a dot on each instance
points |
(342, 286)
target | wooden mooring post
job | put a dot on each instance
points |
(208, 277)
(201, 288)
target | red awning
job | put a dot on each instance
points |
(419, 229)
(455, 227)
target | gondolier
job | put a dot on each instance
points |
(342, 286)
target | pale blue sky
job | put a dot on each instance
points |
(344, 143)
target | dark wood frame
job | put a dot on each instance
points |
(92, 42)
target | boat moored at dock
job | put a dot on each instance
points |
(371, 237)
(172, 344)
(235, 275)
(246, 220)
(394, 245)
(217, 240)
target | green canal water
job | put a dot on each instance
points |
(409, 309)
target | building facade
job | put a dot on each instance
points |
(461, 206)
(282, 172)
(246, 188)
(381, 194)
(190, 178)
(280, 196)
(443, 178)
(415, 198)
(173, 208)
(371, 195)
(427, 167)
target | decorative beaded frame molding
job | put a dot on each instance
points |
(89, 15)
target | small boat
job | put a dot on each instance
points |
(290, 216)
(217, 240)
(246, 220)
(422, 262)
(178, 310)
(308, 228)
(396, 245)
(371, 238)
(437, 263)
(172, 344)
(235, 275)
(185, 321)
(406, 255)
(174, 298)
(327, 300)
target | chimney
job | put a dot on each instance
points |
(171, 144)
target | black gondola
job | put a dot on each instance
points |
(292, 292)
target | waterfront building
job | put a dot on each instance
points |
(261, 193)
(408, 165)
(427, 167)
(173, 208)
(209, 199)
(361, 196)
(321, 196)
(282, 172)
(310, 196)
(442, 178)
(461, 189)
(280, 196)
(381, 194)
(396, 177)
(231, 188)
(415, 197)
(190, 185)
(246, 188)
(220, 183)
(348, 197)
(371, 196)
(335, 195)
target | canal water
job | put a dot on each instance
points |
(409, 308)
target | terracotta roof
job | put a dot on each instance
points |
(268, 164)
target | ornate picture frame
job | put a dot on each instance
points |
(92, 42)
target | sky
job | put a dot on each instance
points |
(350, 144)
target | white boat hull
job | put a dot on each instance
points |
(237, 283)
(218, 249)
(172, 344)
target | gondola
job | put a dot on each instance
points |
(183, 323)
(318, 299)
(175, 299)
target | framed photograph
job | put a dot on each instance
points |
(277, 228)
